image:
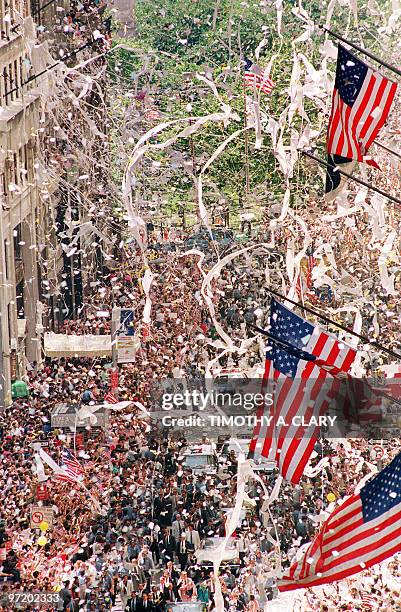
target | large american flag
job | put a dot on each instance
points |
(73, 470)
(297, 374)
(360, 401)
(361, 102)
(363, 531)
(256, 78)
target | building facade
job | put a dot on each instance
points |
(22, 214)
(43, 201)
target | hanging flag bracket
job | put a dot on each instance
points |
(327, 320)
(353, 178)
(360, 49)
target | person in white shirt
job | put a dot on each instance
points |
(192, 538)
(240, 545)
(145, 560)
(177, 527)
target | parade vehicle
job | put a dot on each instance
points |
(239, 445)
(200, 459)
(227, 512)
(186, 606)
(212, 544)
(230, 557)
(227, 380)
(255, 372)
(236, 380)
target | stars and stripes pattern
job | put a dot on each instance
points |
(256, 78)
(363, 531)
(299, 373)
(152, 114)
(72, 468)
(110, 399)
(361, 102)
(391, 383)
(369, 601)
(360, 402)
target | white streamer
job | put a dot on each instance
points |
(207, 293)
(135, 221)
(146, 284)
(244, 473)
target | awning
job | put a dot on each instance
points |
(63, 345)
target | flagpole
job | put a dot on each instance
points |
(353, 178)
(329, 321)
(382, 146)
(391, 151)
(247, 189)
(361, 50)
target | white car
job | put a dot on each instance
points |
(239, 445)
(211, 545)
(200, 459)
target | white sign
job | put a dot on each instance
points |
(103, 313)
(124, 339)
(126, 346)
(39, 514)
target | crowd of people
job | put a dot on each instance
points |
(131, 528)
(129, 539)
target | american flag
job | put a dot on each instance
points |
(360, 402)
(361, 102)
(256, 78)
(297, 374)
(391, 383)
(152, 114)
(110, 399)
(311, 264)
(71, 466)
(369, 601)
(363, 531)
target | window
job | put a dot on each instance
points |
(11, 78)
(23, 165)
(17, 238)
(20, 300)
(6, 254)
(9, 319)
(5, 25)
(16, 80)
(11, 81)
(14, 169)
(3, 187)
(6, 85)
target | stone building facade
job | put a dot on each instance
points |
(22, 209)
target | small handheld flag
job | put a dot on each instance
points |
(256, 78)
